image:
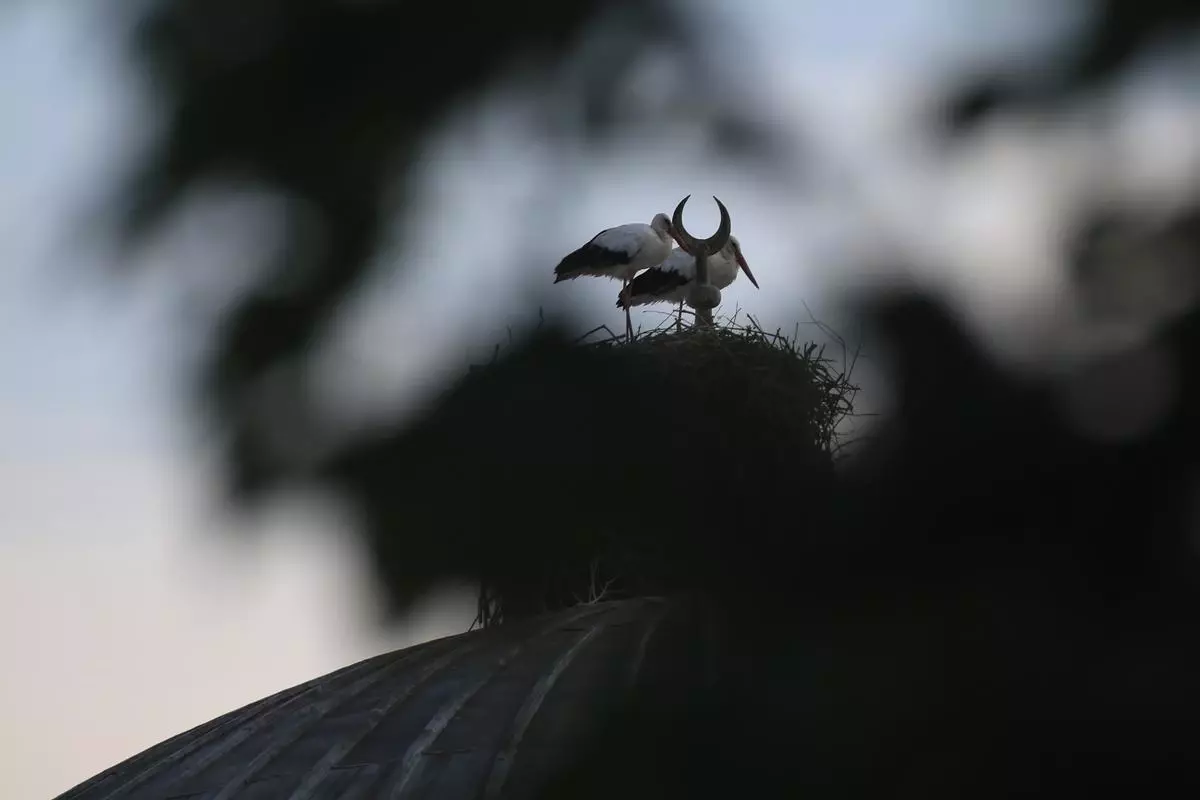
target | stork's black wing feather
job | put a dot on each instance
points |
(653, 282)
(587, 258)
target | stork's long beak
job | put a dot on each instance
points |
(679, 241)
(746, 269)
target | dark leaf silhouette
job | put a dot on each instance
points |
(1115, 35)
(329, 103)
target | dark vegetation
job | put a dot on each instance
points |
(992, 602)
(621, 517)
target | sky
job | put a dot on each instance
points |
(133, 607)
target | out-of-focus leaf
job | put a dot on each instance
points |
(1116, 33)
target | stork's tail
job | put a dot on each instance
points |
(575, 264)
(633, 299)
(591, 259)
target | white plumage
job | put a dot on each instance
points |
(620, 253)
(669, 281)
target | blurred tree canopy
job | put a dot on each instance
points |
(1045, 571)
(1116, 34)
(329, 102)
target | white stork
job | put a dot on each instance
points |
(669, 281)
(620, 253)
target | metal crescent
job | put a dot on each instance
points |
(713, 244)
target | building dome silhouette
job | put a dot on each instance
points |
(491, 713)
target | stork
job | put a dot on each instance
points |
(620, 253)
(669, 281)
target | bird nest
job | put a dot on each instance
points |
(739, 411)
(741, 371)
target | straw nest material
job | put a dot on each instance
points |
(741, 371)
(753, 418)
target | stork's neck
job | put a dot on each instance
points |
(723, 269)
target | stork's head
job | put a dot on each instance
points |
(735, 249)
(662, 225)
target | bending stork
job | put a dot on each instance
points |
(671, 280)
(620, 253)
(701, 294)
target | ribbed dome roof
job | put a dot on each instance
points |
(485, 714)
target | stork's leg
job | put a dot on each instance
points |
(628, 319)
(679, 318)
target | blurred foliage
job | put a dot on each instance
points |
(1117, 33)
(329, 102)
(990, 601)
(999, 603)
(561, 467)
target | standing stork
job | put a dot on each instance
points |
(621, 253)
(670, 281)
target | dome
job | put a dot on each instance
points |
(490, 713)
